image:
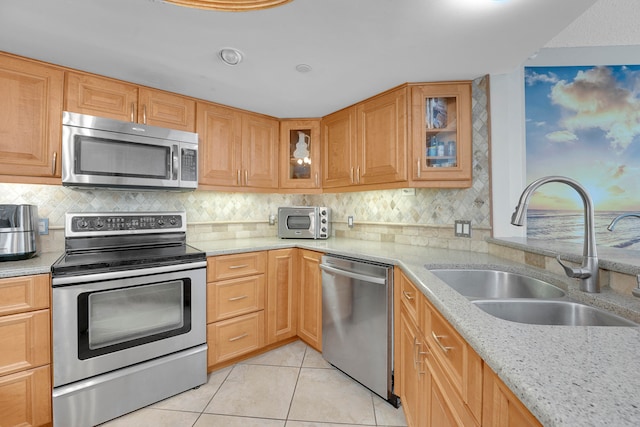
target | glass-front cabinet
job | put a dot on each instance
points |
(300, 155)
(441, 135)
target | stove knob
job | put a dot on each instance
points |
(324, 229)
(172, 221)
(83, 223)
(160, 222)
(99, 223)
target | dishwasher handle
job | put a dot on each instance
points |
(358, 276)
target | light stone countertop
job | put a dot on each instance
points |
(566, 376)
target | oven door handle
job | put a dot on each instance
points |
(84, 278)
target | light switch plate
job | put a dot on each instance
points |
(462, 228)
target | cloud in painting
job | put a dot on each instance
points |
(531, 78)
(619, 171)
(597, 100)
(615, 190)
(563, 136)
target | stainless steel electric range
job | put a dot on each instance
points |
(129, 315)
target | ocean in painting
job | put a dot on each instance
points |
(568, 226)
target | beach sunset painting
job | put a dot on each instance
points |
(584, 123)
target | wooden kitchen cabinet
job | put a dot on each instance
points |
(104, 97)
(31, 124)
(282, 295)
(25, 351)
(235, 305)
(501, 408)
(310, 299)
(441, 135)
(300, 156)
(366, 144)
(238, 150)
(438, 377)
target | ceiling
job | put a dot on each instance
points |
(355, 48)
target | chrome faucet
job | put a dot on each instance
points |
(619, 217)
(588, 271)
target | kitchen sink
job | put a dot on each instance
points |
(550, 312)
(496, 284)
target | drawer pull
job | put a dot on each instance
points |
(238, 298)
(239, 337)
(437, 338)
(234, 267)
(407, 295)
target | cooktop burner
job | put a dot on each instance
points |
(99, 242)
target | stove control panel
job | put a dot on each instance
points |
(114, 223)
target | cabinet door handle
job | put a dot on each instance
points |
(239, 337)
(351, 173)
(317, 182)
(358, 174)
(238, 178)
(419, 171)
(437, 338)
(133, 110)
(238, 298)
(144, 114)
(234, 267)
(54, 162)
(407, 295)
(246, 177)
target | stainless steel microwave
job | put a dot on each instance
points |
(304, 222)
(101, 152)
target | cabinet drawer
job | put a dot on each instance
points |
(234, 297)
(234, 337)
(25, 398)
(236, 265)
(24, 293)
(24, 341)
(409, 297)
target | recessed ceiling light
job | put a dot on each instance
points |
(303, 68)
(230, 56)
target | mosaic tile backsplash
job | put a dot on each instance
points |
(379, 215)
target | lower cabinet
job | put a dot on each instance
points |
(25, 351)
(501, 408)
(251, 302)
(441, 381)
(310, 299)
(235, 305)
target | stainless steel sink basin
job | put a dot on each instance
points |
(496, 284)
(546, 312)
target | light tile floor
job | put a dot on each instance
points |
(291, 386)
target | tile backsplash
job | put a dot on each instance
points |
(425, 218)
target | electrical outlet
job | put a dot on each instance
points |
(462, 228)
(350, 221)
(272, 219)
(43, 226)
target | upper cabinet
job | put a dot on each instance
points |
(104, 97)
(366, 144)
(441, 135)
(31, 123)
(300, 156)
(237, 150)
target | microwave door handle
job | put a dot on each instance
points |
(175, 162)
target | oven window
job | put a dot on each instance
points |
(116, 319)
(100, 156)
(298, 222)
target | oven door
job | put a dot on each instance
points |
(298, 224)
(103, 322)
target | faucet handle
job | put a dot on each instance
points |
(576, 273)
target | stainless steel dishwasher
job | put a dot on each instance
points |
(357, 321)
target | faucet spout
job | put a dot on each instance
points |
(588, 271)
(611, 226)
